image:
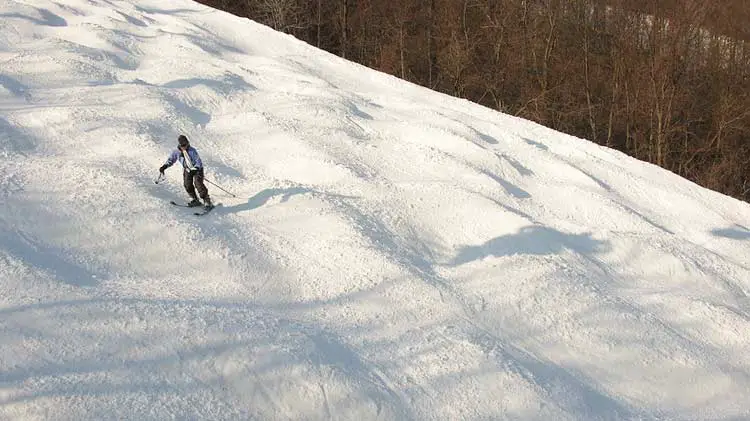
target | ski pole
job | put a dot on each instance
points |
(209, 181)
(160, 178)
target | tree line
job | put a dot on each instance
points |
(665, 81)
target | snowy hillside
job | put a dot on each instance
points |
(392, 253)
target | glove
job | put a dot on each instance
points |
(162, 168)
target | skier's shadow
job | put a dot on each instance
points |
(264, 196)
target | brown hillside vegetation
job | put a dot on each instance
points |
(665, 81)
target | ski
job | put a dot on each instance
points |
(204, 211)
(182, 205)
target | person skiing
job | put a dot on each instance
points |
(192, 174)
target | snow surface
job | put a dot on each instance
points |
(392, 253)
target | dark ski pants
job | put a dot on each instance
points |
(193, 182)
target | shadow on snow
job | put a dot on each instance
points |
(283, 195)
(47, 18)
(738, 232)
(534, 240)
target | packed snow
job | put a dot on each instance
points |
(390, 253)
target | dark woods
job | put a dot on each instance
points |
(666, 81)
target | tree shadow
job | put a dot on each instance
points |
(155, 11)
(593, 178)
(580, 396)
(738, 232)
(209, 43)
(51, 260)
(487, 138)
(229, 83)
(509, 187)
(331, 350)
(137, 350)
(73, 10)
(533, 240)
(356, 111)
(622, 202)
(15, 87)
(208, 351)
(47, 18)
(199, 117)
(536, 144)
(127, 62)
(131, 20)
(13, 140)
(522, 170)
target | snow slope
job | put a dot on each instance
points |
(392, 253)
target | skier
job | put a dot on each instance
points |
(192, 173)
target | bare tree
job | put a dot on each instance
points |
(664, 80)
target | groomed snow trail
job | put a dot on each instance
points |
(393, 253)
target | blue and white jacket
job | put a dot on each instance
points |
(189, 159)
